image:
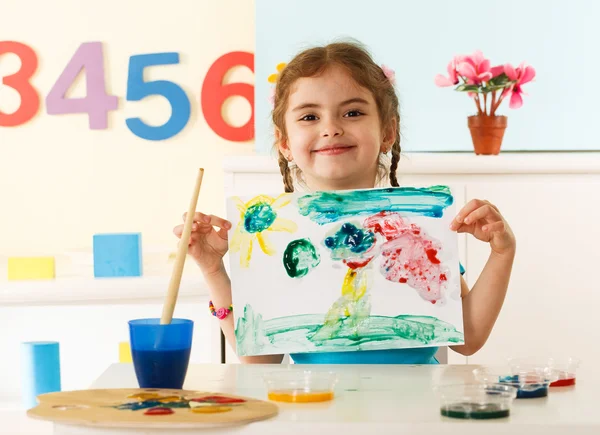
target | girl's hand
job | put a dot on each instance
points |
(484, 221)
(207, 246)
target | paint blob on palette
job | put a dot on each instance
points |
(367, 269)
(150, 408)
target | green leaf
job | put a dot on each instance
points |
(468, 88)
(500, 81)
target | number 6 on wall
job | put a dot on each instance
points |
(137, 89)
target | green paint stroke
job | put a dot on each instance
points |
(300, 333)
(250, 334)
(356, 315)
(259, 217)
(349, 241)
(300, 257)
(327, 207)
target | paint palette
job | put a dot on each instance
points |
(300, 386)
(150, 408)
(476, 401)
(530, 381)
(564, 370)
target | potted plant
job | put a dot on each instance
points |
(488, 87)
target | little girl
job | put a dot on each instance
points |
(336, 121)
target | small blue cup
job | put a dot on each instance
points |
(161, 353)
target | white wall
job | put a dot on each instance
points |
(61, 182)
(418, 38)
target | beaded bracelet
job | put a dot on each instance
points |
(221, 313)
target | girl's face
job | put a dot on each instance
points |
(334, 132)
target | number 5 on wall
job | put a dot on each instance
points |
(137, 89)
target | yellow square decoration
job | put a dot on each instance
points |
(31, 268)
(125, 352)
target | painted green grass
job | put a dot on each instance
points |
(307, 333)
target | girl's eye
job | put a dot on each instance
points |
(354, 113)
(308, 118)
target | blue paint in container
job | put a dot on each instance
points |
(161, 353)
(527, 390)
(161, 368)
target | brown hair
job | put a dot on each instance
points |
(360, 65)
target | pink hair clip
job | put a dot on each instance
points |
(272, 97)
(389, 73)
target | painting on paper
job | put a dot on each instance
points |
(348, 270)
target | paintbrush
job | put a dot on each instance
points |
(173, 290)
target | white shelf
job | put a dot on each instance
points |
(62, 291)
(456, 163)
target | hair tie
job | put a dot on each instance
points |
(389, 73)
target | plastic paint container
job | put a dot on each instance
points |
(300, 386)
(476, 401)
(530, 382)
(563, 370)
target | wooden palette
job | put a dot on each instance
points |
(150, 408)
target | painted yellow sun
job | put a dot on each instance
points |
(258, 216)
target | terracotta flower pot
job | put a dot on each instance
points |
(487, 133)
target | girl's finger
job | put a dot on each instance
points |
(469, 207)
(466, 229)
(204, 219)
(198, 216)
(464, 212)
(217, 221)
(222, 233)
(499, 227)
(485, 211)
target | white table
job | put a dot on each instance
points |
(377, 399)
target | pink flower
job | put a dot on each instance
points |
(452, 78)
(475, 68)
(497, 70)
(389, 73)
(523, 74)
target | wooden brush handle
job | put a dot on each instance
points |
(171, 298)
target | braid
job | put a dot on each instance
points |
(395, 160)
(285, 172)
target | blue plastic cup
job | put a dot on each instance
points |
(40, 370)
(160, 353)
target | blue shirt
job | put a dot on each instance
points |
(418, 355)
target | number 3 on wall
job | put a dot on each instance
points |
(138, 89)
(19, 81)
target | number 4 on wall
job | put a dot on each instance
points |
(97, 103)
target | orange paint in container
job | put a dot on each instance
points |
(293, 396)
(300, 386)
